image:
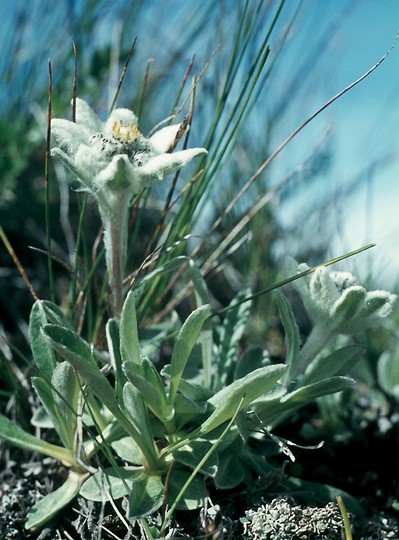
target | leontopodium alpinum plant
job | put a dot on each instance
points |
(150, 436)
(113, 162)
(337, 305)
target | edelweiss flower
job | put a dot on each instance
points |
(336, 305)
(113, 159)
(337, 299)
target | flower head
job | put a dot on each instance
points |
(337, 299)
(337, 305)
(112, 159)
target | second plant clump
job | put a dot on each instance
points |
(130, 430)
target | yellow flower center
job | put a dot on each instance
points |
(125, 134)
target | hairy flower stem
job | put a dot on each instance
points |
(115, 233)
(315, 342)
(116, 276)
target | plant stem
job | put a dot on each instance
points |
(198, 468)
(116, 275)
(115, 240)
(315, 342)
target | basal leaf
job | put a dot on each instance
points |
(137, 413)
(187, 410)
(128, 450)
(42, 351)
(45, 393)
(66, 390)
(194, 495)
(146, 495)
(152, 375)
(112, 483)
(247, 389)
(18, 437)
(114, 348)
(185, 341)
(76, 351)
(153, 394)
(130, 346)
(192, 453)
(68, 344)
(310, 392)
(51, 504)
(192, 391)
(60, 421)
(55, 315)
(230, 472)
(40, 418)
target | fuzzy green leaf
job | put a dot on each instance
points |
(68, 344)
(190, 390)
(60, 401)
(308, 393)
(66, 390)
(338, 363)
(113, 341)
(274, 411)
(109, 484)
(230, 471)
(191, 454)
(187, 410)
(22, 439)
(77, 352)
(42, 352)
(195, 493)
(41, 419)
(130, 345)
(227, 400)
(55, 315)
(52, 503)
(185, 341)
(151, 391)
(253, 358)
(128, 450)
(137, 412)
(45, 393)
(151, 375)
(146, 495)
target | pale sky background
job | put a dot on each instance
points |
(351, 35)
(366, 125)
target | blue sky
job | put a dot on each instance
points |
(363, 124)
